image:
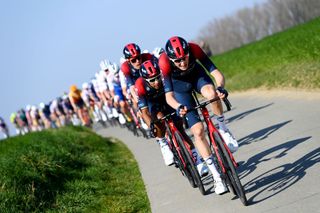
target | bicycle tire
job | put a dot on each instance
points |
(231, 171)
(190, 165)
(177, 160)
(185, 170)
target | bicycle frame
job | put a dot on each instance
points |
(173, 129)
(211, 129)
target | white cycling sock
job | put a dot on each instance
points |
(212, 167)
(221, 123)
(162, 141)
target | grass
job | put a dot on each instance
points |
(290, 59)
(69, 170)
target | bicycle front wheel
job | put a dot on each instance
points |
(190, 164)
(231, 171)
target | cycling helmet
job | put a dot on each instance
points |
(131, 51)
(85, 85)
(64, 97)
(104, 64)
(33, 108)
(42, 105)
(177, 47)
(73, 88)
(157, 51)
(28, 107)
(150, 69)
(114, 68)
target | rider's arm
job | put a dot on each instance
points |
(171, 100)
(133, 93)
(200, 55)
(218, 77)
(146, 115)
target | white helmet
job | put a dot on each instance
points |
(114, 68)
(85, 85)
(28, 107)
(42, 105)
(33, 108)
(157, 51)
(104, 64)
(145, 51)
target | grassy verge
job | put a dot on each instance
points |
(69, 170)
(288, 59)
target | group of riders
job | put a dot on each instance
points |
(144, 88)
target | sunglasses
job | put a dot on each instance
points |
(179, 60)
(135, 60)
(154, 79)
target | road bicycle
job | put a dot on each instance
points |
(183, 157)
(223, 157)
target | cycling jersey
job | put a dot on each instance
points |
(75, 97)
(182, 83)
(102, 81)
(116, 83)
(130, 72)
(45, 112)
(66, 105)
(152, 98)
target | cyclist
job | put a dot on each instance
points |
(44, 112)
(37, 124)
(79, 106)
(117, 83)
(13, 120)
(22, 122)
(182, 67)
(68, 110)
(132, 65)
(4, 128)
(152, 103)
(89, 101)
(57, 112)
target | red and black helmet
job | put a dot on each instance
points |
(177, 47)
(150, 69)
(131, 51)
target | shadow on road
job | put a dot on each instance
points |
(246, 113)
(261, 134)
(279, 178)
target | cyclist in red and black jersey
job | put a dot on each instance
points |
(152, 104)
(131, 67)
(185, 67)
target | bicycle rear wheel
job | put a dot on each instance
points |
(190, 164)
(232, 174)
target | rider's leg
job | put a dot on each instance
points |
(208, 91)
(202, 145)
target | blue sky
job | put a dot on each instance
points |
(47, 45)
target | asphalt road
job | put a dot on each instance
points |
(279, 155)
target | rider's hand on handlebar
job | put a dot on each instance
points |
(181, 110)
(222, 92)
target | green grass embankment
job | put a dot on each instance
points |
(69, 170)
(290, 59)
